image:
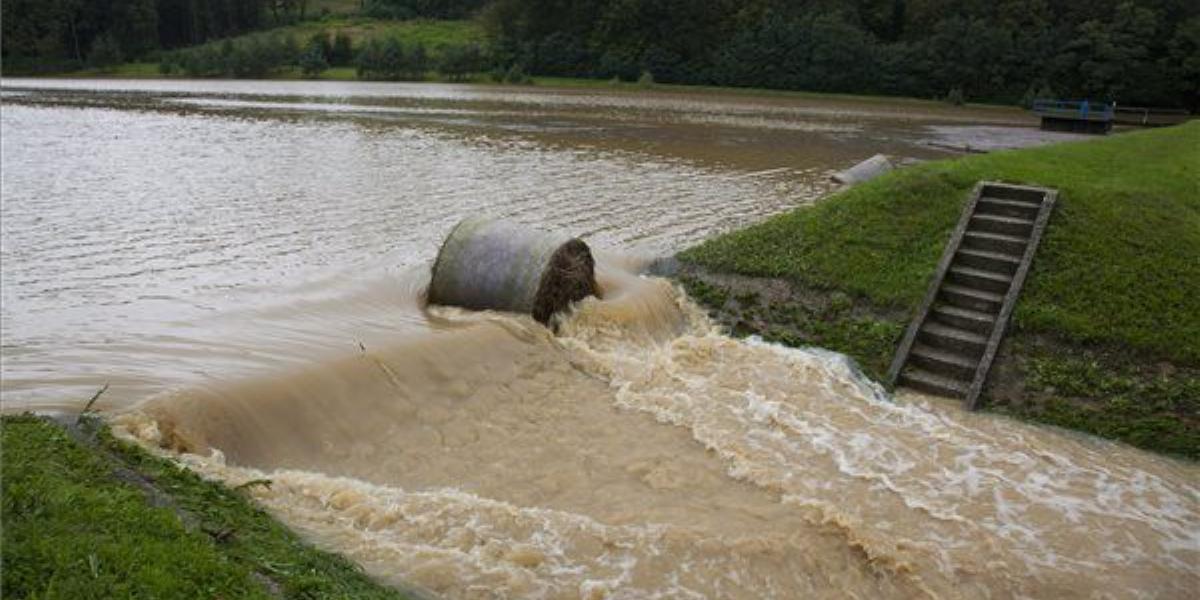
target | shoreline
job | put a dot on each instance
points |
(1036, 378)
(149, 71)
(1076, 356)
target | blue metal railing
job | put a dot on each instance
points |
(1084, 110)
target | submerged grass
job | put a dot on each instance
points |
(1119, 263)
(1147, 407)
(89, 516)
(835, 324)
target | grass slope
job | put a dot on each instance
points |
(89, 516)
(1119, 263)
(431, 33)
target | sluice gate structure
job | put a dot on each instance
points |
(1075, 116)
(949, 346)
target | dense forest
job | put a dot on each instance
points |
(1128, 51)
(63, 35)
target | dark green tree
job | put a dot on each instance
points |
(312, 61)
(394, 62)
(1183, 62)
(417, 62)
(322, 42)
(458, 62)
(106, 53)
(342, 53)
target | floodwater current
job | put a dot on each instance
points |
(243, 264)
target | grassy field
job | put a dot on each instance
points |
(428, 32)
(1106, 335)
(339, 8)
(88, 516)
(433, 35)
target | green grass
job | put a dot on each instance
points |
(1107, 330)
(869, 341)
(1149, 409)
(1119, 263)
(79, 523)
(150, 71)
(334, 7)
(133, 70)
(431, 33)
(1120, 419)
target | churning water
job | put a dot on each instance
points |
(244, 263)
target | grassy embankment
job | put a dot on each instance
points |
(89, 516)
(1106, 335)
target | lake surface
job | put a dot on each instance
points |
(243, 264)
(138, 213)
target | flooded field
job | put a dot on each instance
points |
(243, 263)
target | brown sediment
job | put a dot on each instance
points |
(639, 453)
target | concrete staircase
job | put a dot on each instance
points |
(949, 346)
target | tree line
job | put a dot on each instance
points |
(63, 35)
(1129, 51)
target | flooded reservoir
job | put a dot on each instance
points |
(244, 263)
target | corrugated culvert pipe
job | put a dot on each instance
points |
(495, 264)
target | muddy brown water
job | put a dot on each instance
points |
(243, 262)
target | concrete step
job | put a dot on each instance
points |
(1008, 192)
(949, 364)
(992, 242)
(999, 262)
(964, 318)
(1008, 208)
(953, 339)
(1001, 224)
(965, 297)
(979, 279)
(933, 383)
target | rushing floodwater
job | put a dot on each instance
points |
(243, 262)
